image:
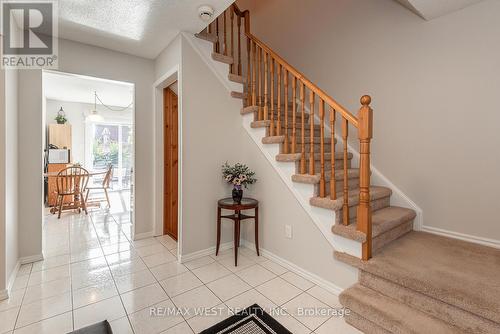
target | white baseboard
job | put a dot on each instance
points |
(31, 259)
(461, 236)
(145, 235)
(13, 275)
(4, 294)
(321, 282)
(204, 252)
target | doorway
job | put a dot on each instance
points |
(93, 120)
(171, 162)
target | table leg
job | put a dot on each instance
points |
(239, 227)
(218, 230)
(236, 238)
(257, 230)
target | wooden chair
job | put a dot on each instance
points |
(108, 175)
(71, 181)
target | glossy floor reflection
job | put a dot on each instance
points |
(93, 271)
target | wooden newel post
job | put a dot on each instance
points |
(365, 134)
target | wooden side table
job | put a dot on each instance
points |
(237, 217)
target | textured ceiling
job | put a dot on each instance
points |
(77, 88)
(430, 9)
(139, 27)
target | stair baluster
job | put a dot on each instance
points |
(294, 115)
(266, 84)
(286, 147)
(239, 45)
(345, 207)
(333, 185)
(225, 32)
(303, 128)
(254, 75)
(311, 133)
(259, 82)
(273, 125)
(217, 43)
(232, 39)
(322, 189)
(278, 121)
(249, 76)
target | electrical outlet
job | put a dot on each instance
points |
(288, 231)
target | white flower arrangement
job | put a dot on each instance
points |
(238, 175)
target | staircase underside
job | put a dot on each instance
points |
(423, 276)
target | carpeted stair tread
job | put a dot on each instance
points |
(294, 157)
(464, 320)
(207, 37)
(236, 78)
(383, 220)
(222, 58)
(281, 139)
(314, 179)
(238, 95)
(273, 140)
(335, 205)
(392, 315)
(266, 123)
(456, 272)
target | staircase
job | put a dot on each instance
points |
(305, 134)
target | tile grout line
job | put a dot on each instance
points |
(112, 276)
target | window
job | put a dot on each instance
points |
(111, 144)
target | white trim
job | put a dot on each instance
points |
(322, 218)
(31, 259)
(144, 235)
(461, 236)
(207, 60)
(398, 197)
(12, 278)
(321, 282)
(4, 294)
(205, 252)
(171, 76)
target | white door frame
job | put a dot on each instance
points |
(163, 82)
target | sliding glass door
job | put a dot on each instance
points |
(111, 144)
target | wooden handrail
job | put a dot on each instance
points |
(318, 91)
(267, 82)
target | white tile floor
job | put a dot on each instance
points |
(92, 271)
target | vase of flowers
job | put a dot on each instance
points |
(238, 176)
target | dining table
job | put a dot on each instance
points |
(77, 185)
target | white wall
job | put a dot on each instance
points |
(433, 86)
(76, 113)
(11, 178)
(8, 177)
(212, 134)
(92, 61)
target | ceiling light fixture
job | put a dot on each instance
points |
(94, 116)
(205, 12)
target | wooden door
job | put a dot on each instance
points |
(171, 163)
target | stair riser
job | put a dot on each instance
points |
(298, 133)
(317, 147)
(339, 165)
(378, 311)
(364, 325)
(380, 241)
(436, 308)
(353, 210)
(352, 184)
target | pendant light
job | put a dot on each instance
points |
(94, 115)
